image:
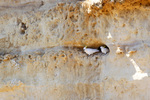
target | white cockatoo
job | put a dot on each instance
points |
(104, 49)
(90, 51)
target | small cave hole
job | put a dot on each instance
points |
(97, 4)
(62, 55)
(42, 3)
(77, 30)
(55, 67)
(85, 35)
(77, 16)
(140, 4)
(90, 64)
(123, 25)
(66, 17)
(73, 19)
(23, 27)
(112, 7)
(71, 55)
(54, 57)
(95, 49)
(80, 64)
(29, 56)
(96, 58)
(22, 31)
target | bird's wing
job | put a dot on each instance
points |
(91, 51)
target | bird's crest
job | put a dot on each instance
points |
(104, 46)
(85, 47)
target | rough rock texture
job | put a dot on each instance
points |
(41, 56)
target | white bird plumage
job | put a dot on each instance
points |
(104, 50)
(90, 51)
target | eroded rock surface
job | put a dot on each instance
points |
(41, 54)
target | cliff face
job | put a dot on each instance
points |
(41, 54)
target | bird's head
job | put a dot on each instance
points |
(103, 46)
(104, 49)
(85, 47)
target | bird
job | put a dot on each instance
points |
(104, 49)
(90, 51)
